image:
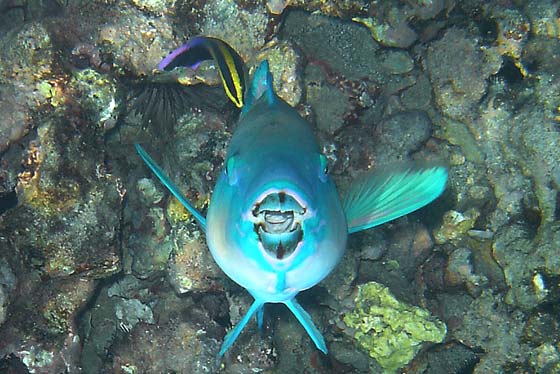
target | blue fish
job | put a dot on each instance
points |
(276, 224)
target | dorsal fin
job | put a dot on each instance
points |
(260, 85)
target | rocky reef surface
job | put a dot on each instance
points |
(101, 270)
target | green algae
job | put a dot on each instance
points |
(391, 331)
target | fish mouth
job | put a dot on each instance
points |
(278, 219)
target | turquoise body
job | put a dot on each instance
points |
(272, 152)
(276, 224)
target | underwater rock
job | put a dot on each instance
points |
(68, 214)
(149, 193)
(389, 330)
(469, 183)
(374, 245)
(402, 134)
(62, 303)
(26, 60)
(118, 313)
(128, 287)
(97, 95)
(460, 272)
(390, 23)
(393, 31)
(148, 243)
(158, 7)
(459, 134)
(7, 285)
(332, 8)
(490, 325)
(14, 117)
(339, 284)
(513, 33)
(345, 354)
(545, 359)
(243, 29)
(453, 357)
(543, 18)
(41, 332)
(118, 317)
(542, 331)
(426, 10)
(455, 225)
(285, 65)
(190, 266)
(131, 312)
(328, 102)
(417, 96)
(458, 71)
(135, 41)
(522, 163)
(330, 41)
(12, 15)
(181, 348)
(529, 265)
(397, 62)
(409, 244)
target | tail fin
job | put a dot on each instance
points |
(260, 85)
(305, 319)
(232, 335)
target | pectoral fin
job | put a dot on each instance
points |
(391, 192)
(167, 182)
(305, 319)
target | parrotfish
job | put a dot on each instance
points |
(276, 224)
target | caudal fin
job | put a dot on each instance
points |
(305, 319)
(261, 85)
(232, 335)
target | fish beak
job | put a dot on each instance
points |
(278, 222)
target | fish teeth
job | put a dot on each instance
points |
(278, 202)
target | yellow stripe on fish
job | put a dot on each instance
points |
(231, 66)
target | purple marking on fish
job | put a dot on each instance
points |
(179, 51)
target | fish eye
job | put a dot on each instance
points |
(324, 164)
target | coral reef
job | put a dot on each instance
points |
(285, 64)
(25, 64)
(459, 89)
(389, 330)
(99, 264)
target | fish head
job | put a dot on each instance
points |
(275, 221)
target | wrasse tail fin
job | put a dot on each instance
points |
(391, 192)
(167, 182)
(232, 334)
(231, 67)
(305, 319)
